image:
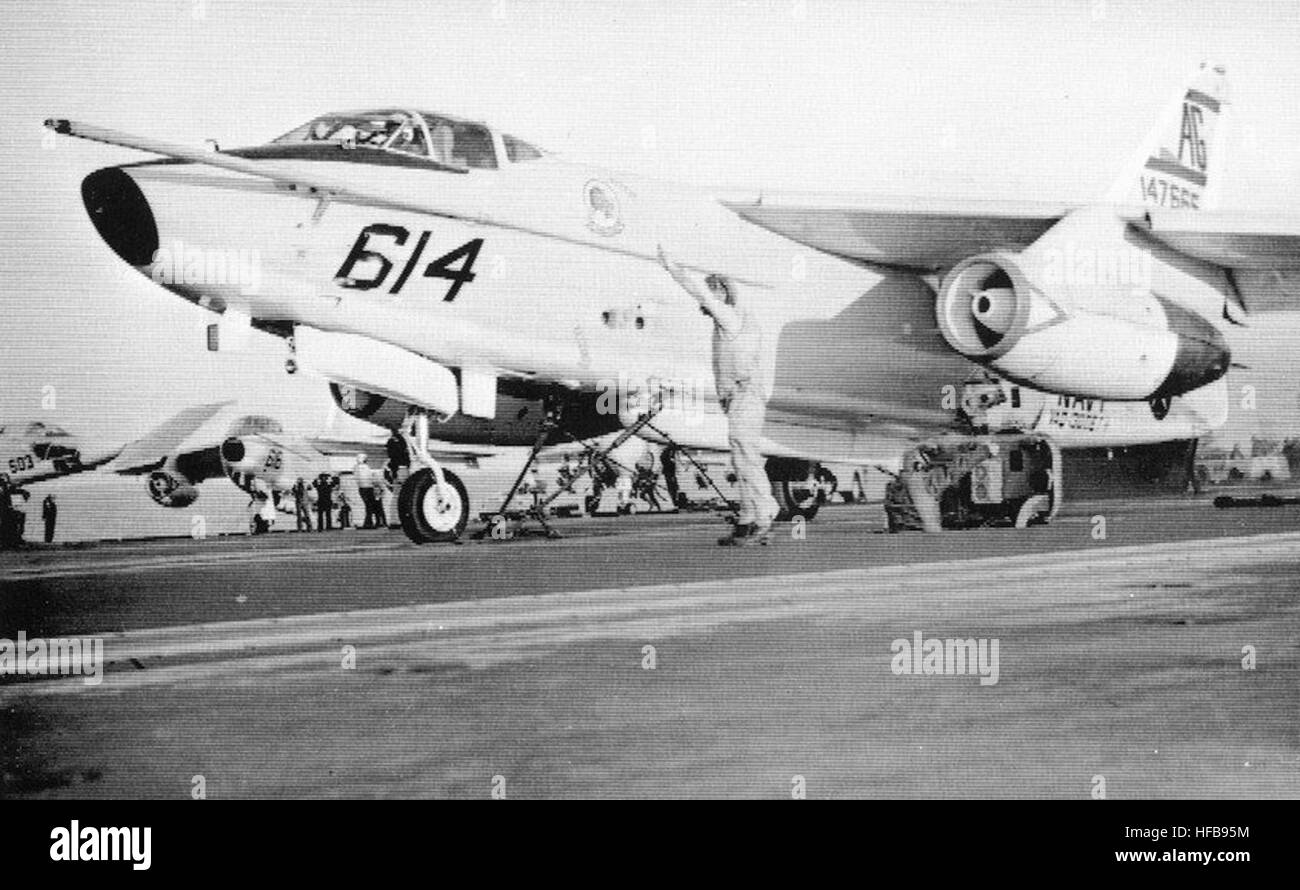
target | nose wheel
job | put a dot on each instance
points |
(430, 514)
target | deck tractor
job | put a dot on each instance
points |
(966, 482)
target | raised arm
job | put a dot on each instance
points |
(726, 317)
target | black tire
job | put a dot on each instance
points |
(800, 497)
(829, 485)
(413, 504)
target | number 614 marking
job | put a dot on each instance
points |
(444, 266)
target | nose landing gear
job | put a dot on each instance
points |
(432, 503)
(429, 512)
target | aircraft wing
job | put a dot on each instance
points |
(933, 234)
(1236, 241)
(151, 451)
(289, 444)
(897, 230)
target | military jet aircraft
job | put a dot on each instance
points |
(436, 268)
(37, 451)
(40, 451)
(260, 458)
(256, 454)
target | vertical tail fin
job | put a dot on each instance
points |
(1180, 164)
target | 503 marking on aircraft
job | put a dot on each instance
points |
(21, 463)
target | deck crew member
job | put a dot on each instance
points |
(367, 482)
(50, 513)
(738, 377)
(324, 502)
(301, 513)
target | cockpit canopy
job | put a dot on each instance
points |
(445, 140)
(254, 424)
(40, 430)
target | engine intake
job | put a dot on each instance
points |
(982, 308)
(170, 490)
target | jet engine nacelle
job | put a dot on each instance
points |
(244, 458)
(170, 489)
(990, 310)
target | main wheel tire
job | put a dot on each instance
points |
(800, 497)
(425, 519)
(828, 483)
(1034, 511)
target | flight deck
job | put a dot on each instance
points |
(635, 658)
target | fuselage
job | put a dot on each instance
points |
(37, 452)
(556, 288)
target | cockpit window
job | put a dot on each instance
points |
(253, 424)
(374, 129)
(445, 140)
(461, 144)
(518, 150)
(409, 139)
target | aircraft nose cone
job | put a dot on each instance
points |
(121, 214)
(232, 451)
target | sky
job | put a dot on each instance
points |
(975, 99)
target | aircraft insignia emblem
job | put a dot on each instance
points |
(603, 214)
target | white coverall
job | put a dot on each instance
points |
(738, 377)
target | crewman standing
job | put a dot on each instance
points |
(8, 525)
(324, 503)
(262, 506)
(384, 495)
(345, 510)
(646, 484)
(623, 491)
(399, 457)
(301, 513)
(367, 487)
(18, 498)
(50, 513)
(738, 377)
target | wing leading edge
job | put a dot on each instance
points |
(931, 236)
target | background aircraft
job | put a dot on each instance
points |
(265, 462)
(255, 454)
(36, 451)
